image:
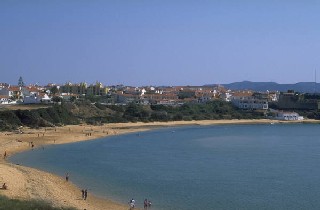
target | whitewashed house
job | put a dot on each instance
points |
(6, 96)
(4, 99)
(32, 99)
(45, 99)
(226, 96)
(246, 100)
(4, 91)
(288, 116)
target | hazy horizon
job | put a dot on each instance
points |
(146, 85)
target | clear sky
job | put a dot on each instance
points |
(159, 42)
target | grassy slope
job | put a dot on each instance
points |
(14, 204)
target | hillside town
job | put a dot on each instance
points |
(163, 95)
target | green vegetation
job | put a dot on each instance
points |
(43, 117)
(14, 204)
(85, 111)
(209, 111)
(310, 114)
(185, 94)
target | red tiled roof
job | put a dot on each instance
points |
(242, 94)
(32, 89)
(14, 88)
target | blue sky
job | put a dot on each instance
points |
(159, 42)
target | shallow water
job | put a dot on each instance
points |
(199, 167)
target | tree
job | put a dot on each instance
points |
(20, 82)
(56, 99)
(73, 98)
(54, 90)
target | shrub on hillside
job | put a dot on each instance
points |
(9, 121)
(13, 204)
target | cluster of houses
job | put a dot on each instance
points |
(22, 94)
(120, 94)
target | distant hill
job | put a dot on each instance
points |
(302, 87)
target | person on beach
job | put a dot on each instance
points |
(149, 203)
(5, 155)
(4, 186)
(67, 177)
(85, 194)
(132, 203)
(82, 193)
(145, 204)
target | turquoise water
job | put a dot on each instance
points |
(200, 167)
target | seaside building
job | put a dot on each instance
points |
(288, 116)
(247, 100)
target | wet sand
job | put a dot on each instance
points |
(28, 183)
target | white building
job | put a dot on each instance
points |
(4, 99)
(32, 99)
(246, 100)
(288, 116)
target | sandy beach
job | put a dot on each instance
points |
(28, 183)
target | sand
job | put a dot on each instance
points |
(28, 183)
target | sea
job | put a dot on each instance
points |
(270, 166)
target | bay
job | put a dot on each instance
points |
(198, 167)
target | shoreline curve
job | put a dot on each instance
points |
(28, 183)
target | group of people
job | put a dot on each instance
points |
(146, 203)
(88, 134)
(84, 194)
(84, 191)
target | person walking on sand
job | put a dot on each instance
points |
(5, 155)
(67, 177)
(85, 194)
(82, 193)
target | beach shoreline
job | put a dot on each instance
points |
(29, 183)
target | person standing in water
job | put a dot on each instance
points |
(145, 204)
(149, 203)
(67, 177)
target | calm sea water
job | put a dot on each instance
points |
(200, 167)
